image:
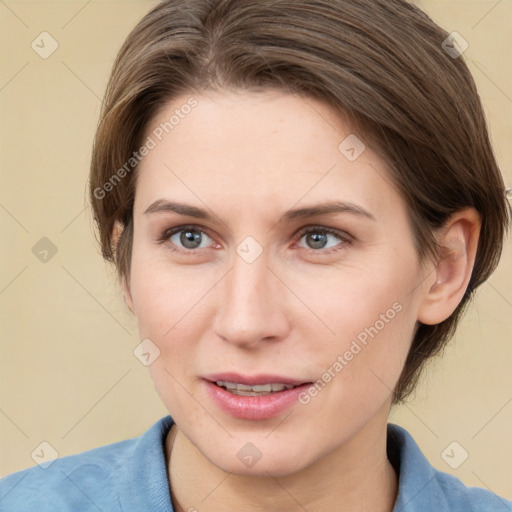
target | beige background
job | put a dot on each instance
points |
(68, 375)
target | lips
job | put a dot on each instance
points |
(254, 397)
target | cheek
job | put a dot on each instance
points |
(169, 303)
(165, 295)
(363, 302)
(371, 318)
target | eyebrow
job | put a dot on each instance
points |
(163, 205)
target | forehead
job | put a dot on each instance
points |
(237, 148)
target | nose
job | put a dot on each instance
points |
(252, 305)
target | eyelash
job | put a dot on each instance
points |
(343, 237)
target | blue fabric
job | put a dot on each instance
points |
(131, 476)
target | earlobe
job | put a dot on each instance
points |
(458, 242)
(117, 231)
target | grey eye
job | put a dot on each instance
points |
(189, 238)
(318, 239)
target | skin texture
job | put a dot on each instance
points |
(247, 158)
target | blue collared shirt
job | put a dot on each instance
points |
(131, 476)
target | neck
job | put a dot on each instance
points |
(355, 477)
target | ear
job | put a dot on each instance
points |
(117, 231)
(458, 240)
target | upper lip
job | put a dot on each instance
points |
(253, 380)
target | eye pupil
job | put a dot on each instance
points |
(190, 237)
(318, 240)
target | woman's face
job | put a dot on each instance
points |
(290, 261)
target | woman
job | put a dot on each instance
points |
(297, 235)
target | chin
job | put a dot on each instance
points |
(259, 458)
(277, 466)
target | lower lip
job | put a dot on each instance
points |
(254, 407)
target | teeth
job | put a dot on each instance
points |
(256, 390)
(264, 387)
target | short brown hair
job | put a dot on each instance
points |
(380, 62)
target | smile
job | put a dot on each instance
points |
(253, 397)
(255, 390)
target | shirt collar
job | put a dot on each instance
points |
(146, 485)
(416, 477)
